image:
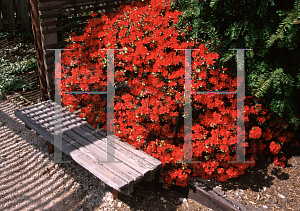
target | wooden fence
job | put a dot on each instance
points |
(14, 14)
(52, 23)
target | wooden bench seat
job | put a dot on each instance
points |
(87, 146)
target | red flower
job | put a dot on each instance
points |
(255, 133)
(275, 148)
(94, 14)
(280, 162)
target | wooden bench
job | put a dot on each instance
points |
(87, 146)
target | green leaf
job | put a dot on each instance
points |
(213, 2)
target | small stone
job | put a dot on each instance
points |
(274, 200)
(264, 188)
(281, 196)
(265, 207)
(119, 204)
(86, 188)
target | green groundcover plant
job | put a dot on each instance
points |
(9, 68)
(149, 113)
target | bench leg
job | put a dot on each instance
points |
(116, 194)
(50, 150)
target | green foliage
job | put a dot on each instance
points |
(9, 81)
(270, 28)
(292, 17)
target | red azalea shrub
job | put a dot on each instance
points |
(149, 114)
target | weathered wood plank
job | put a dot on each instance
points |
(69, 4)
(55, 46)
(1, 20)
(64, 21)
(78, 11)
(62, 28)
(134, 158)
(24, 14)
(8, 14)
(80, 155)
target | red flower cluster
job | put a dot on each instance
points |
(149, 114)
(275, 148)
(255, 133)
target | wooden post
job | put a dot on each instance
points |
(115, 193)
(39, 48)
(48, 39)
(50, 147)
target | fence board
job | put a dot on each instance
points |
(8, 14)
(15, 14)
(1, 24)
(25, 21)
